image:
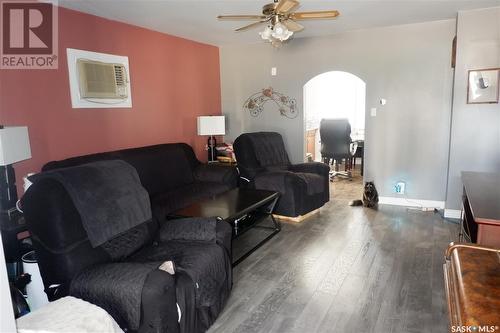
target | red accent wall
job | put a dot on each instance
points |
(173, 81)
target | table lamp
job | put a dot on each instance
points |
(14, 147)
(211, 125)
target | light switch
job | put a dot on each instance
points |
(274, 71)
(373, 112)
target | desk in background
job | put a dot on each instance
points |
(359, 151)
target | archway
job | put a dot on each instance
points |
(334, 95)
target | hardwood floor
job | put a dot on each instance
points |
(348, 269)
(342, 188)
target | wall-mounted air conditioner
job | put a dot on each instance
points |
(98, 80)
(102, 80)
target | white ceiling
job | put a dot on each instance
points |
(196, 20)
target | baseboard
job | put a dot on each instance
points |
(452, 213)
(296, 219)
(411, 202)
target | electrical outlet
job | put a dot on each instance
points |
(373, 112)
(400, 188)
(274, 71)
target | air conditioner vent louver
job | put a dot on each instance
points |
(120, 75)
(102, 80)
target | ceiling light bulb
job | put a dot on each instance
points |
(281, 32)
(279, 29)
(266, 34)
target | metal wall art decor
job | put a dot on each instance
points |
(287, 106)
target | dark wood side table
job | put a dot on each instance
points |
(481, 208)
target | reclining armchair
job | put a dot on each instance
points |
(264, 164)
(126, 275)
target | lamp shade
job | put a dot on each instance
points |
(211, 125)
(14, 145)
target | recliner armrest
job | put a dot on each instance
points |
(137, 295)
(311, 167)
(189, 229)
(227, 175)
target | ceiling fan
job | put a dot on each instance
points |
(281, 18)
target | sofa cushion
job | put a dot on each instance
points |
(160, 168)
(168, 202)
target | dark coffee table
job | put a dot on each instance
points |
(244, 209)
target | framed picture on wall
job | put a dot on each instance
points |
(483, 86)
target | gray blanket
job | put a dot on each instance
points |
(107, 194)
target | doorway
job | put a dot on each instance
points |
(337, 95)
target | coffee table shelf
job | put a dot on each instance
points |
(244, 209)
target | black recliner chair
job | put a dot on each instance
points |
(123, 274)
(336, 141)
(264, 164)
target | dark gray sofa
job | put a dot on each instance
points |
(171, 173)
(113, 274)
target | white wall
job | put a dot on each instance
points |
(408, 65)
(475, 138)
(7, 323)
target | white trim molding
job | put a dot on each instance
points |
(452, 213)
(411, 202)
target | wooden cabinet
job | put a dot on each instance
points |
(311, 143)
(472, 281)
(481, 208)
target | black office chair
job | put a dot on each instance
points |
(336, 145)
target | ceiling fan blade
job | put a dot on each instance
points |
(286, 6)
(325, 14)
(293, 26)
(250, 26)
(241, 17)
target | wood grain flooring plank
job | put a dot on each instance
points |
(347, 269)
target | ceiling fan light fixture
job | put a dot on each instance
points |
(266, 33)
(280, 16)
(281, 32)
